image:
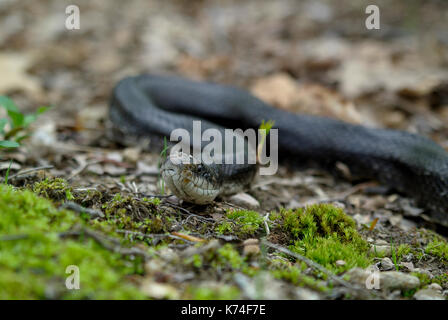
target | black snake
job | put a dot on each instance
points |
(148, 105)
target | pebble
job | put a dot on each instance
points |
(390, 280)
(435, 286)
(398, 280)
(132, 154)
(251, 247)
(262, 286)
(428, 294)
(387, 264)
(340, 263)
(408, 258)
(159, 290)
(245, 200)
(306, 294)
(408, 265)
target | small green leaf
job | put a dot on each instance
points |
(41, 110)
(267, 126)
(17, 118)
(8, 144)
(3, 123)
(7, 172)
(8, 104)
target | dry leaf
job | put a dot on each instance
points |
(14, 74)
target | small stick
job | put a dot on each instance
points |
(317, 266)
(82, 168)
(70, 205)
(30, 170)
(102, 240)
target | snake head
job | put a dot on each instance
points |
(189, 179)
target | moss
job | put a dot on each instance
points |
(324, 234)
(294, 273)
(423, 277)
(438, 247)
(242, 223)
(229, 257)
(402, 250)
(441, 279)
(224, 258)
(409, 293)
(142, 215)
(56, 189)
(34, 258)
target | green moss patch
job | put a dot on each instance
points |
(243, 223)
(324, 234)
(56, 189)
(438, 247)
(34, 256)
(142, 215)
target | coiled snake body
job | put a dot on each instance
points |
(149, 105)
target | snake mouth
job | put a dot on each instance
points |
(187, 183)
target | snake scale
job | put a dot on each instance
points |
(148, 105)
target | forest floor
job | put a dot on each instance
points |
(131, 239)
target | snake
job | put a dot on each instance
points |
(148, 106)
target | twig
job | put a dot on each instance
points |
(70, 205)
(152, 236)
(265, 221)
(81, 169)
(154, 195)
(186, 212)
(13, 237)
(317, 266)
(30, 170)
(103, 241)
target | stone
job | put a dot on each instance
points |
(389, 280)
(408, 265)
(435, 286)
(306, 294)
(398, 280)
(340, 263)
(387, 264)
(428, 294)
(132, 154)
(251, 247)
(244, 200)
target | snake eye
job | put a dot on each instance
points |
(199, 168)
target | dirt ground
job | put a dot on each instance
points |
(314, 57)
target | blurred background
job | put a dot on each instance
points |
(309, 56)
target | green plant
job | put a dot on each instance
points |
(18, 124)
(264, 129)
(7, 172)
(162, 159)
(325, 234)
(394, 255)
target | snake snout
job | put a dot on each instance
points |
(187, 179)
